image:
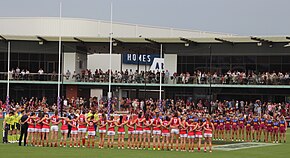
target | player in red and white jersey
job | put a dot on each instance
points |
(102, 123)
(156, 131)
(91, 131)
(64, 130)
(139, 131)
(74, 131)
(45, 128)
(37, 130)
(165, 133)
(198, 133)
(131, 131)
(208, 129)
(174, 125)
(54, 128)
(111, 132)
(183, 133)
(120, 123)
(31, 128)
(147, 131)
(82, 129)
(191, 135)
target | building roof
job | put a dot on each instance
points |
(233, 40)
(71, 27)
(87, 30)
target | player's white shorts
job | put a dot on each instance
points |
(31, 130)
(111, 133)
(82, 130)
(147, 131)
(121, 132)
(156, 132)
(73, 132)
(198, 136)
(102, 131)
(91, 133)
(54, 128)
(37, 130)
(207, 135)
(183, 135)
(45, 130)
(64, 131)
(138, 132)
(165, 134)
(174, 131)
(131, 132)
(190, 136)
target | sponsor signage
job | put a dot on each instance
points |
(158, 64)
(141, 59)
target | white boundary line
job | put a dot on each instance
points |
(243, 147)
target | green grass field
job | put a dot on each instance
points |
(14, 151)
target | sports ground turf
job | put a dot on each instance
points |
(14, 151)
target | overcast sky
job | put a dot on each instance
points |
(242, 17)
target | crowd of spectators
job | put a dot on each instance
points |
(149, 105)
(197, 77)
(130, 76)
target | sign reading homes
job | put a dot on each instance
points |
(142, 59)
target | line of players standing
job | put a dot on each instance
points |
(163, 132)
(168, 132)
(250, 128)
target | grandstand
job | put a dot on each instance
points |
(263, 61)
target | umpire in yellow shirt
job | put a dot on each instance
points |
(8, 121)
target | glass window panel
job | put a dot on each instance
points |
(14, 56)
(263, 67)
(34, 57)
(286, 59)
(250, 59)
(263, 59)
(190, 59)
(275, 67)
(237, 59)
(200, 59)
(275, 59)
(23, 56)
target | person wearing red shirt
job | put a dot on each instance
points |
(139, 131)
(91, 131)
(156, 131)
(208, 129)
(38, 130)
(191, 135)
(74, 131)
(121, 131)
(183, 133)
(147, 131)
(102, 130)
(45, 128)
(174, 125)
(31, 128)
(198, 133)
(82, 129)
(165, 133)
(54, 128)
(131, 131)
(64, 129)
(111, 132)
